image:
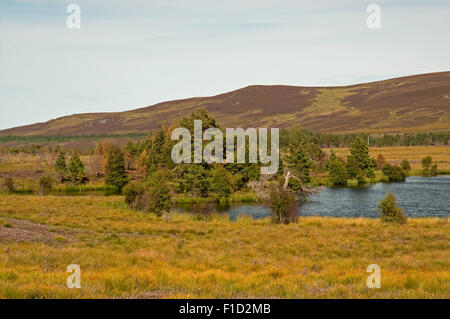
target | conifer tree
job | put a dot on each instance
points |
(337, 172)
(299, 162)
(60, 166)
(359, 163)
(76, 169)
(115, 167)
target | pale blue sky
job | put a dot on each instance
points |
(135, 53)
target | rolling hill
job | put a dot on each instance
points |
(419, 103)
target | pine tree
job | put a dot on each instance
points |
(337, 171)
(60, 166)
(76, 169)
(221, 183)
(299, 162)
(192, 178)
(115, 167)
(330, 159)
(359, 163)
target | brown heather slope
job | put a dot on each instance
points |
(419, 103)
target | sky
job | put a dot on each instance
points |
(135, 53)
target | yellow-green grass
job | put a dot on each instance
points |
(125, 254)
(414, 154)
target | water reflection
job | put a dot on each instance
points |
(418, 196)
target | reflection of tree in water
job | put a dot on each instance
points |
(205, 208)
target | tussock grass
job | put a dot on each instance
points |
(126, 254)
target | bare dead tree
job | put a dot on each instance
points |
(304, 190)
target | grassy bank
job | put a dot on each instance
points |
(134, 255)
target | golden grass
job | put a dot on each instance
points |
(414, 154)
(126, 254)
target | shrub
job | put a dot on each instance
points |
(157, 197)
(45, 185)
(133, 195)
(426, 163)
(282, 203)
(405, 166)
(389, 212)
(394, 173)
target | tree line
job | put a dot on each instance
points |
(144, 171)
(286, 136)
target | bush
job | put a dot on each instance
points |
(426, 163)
(45, 185)
(157, 199)
(394, 173)
(152, 197)
(157, 196)
(389, 212)
(405, 166)
(282, 203)
(133, 195)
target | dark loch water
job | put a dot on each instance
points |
(418, 196)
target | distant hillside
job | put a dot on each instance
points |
(408, 104)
